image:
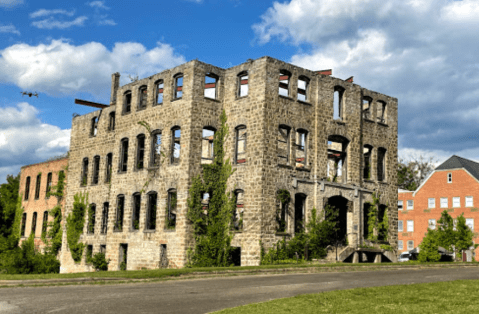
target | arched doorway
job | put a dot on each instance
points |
(340, 206)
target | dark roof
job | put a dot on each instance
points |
(456, 162)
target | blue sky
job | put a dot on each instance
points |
(424, 52)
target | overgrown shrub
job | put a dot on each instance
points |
(75, 223)
(99, 262)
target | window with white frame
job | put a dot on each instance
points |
(400, 245)
(410, 244)
(449, 177)
(456, 202)
(410, 204)
(443, 202)
(469, 201)
(432, 224)
(455, 224)
(410, 225)
(431, 203)
(400, 226)
(400, 205)
(470, 223)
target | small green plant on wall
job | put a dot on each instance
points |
(74, 226)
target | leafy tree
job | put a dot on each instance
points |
(429, 247)
(321, 233)
(212, 225)
(8, 203)
(446, 235)
(99, 262)
(75, 223)
(412, 173)
(464, 235)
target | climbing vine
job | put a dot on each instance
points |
(91, 215)
(74, 226)
(283, 197)
(212, 224)
(378, 227)
(53, 238)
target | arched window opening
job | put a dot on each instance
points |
(124, 156)
(49, 184)
(303, 83)
(178, 91)
(109, 165)
(367, 151)
(284, 77)
(84, 174)
(127, 102)
(338, 103)
(237, 215)
(159, 91)
(243, 84)
(301, 148)
(27, 188)
(96, 169)
(175, 145)
(140, 151)
(34, 223)
(142, 97)
(94, 126)
(111, 124)
(120, 210)
(37, 187)
(337, 158)
(283, 144)
(367, 109)
(207, 149)
(282, 211)
(241, 135)
(172, 209)
(104, 218)
(135, 217)
(211, 82)
(91, 219)
(45, 224)
(155, 154)
(151, 214)
(24, 222)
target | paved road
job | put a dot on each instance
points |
(205, 295)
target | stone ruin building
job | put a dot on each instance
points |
(323, 139)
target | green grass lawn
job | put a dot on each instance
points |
(460, 296)
(164, 273)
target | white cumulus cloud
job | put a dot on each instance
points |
(98, 4)
(45, 12)
(52, 23)
(61, 68)
(10, 3)
(9, 29)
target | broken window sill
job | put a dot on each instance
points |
(285, 97)
(303, 169)
(339, 122)
(368, 181)
(285, 166)
(369, 120)
(383, 124)
(241, 97)
(305, 102)
(175, 99)
(157, 104)
(212, 99)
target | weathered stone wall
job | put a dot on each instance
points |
(260, 175)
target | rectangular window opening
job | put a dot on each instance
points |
(49, 184)
(179, 87)
(159, 92)
(135, 220)
(37, 187)
(104, 220)
(243, 85)
(176, 146)
(302, 89)
(301, 154)
(140, 153)
(283, 145)
(241, 135)
(96, 169)
(284, 83)
(172, 204)
(124, 155)
(207, 151)
(151, 216)
(210, 86)
(366, 110)
(119, 213)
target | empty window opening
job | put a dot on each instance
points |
(37, 187)
(301, 148)
(24, 222)
(84, 174)
(91, 219)
(284, 77)
(171, 214)
(338, 103)
(49, 184)
(151, 214)
(163, 256)
(109, 165)
(211, 82)
(299, 205)
(104, 218)
(366, 110)
(127, 102)
(381, 163)
(159, 91)
(27, 188)
(243, 84)
(366, 210)
(143, 97)
(111, 124)
(175, 145)
(235, 256)
(96, 170)
(89, 253)
(103, 248)
(283, 144)
(178, 92)
(135, 218)
(241, 135)
(367, 150)
(123, 258)
(44, 224)
(124, 155)
(382, 230)
(140, 151)
(34, 223)
(341, 206)
(282, 215)
(94, 126)
(207, 149)
(337, 158)
(381, 112)
(120, 209)
(237, 215)
(303, 83)
(155, 148)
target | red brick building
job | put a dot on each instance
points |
(35, 181)
(453, 186)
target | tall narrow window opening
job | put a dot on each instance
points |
(109, 165)
(367, 149)
(159, 92)
(140, 151)
(27, 188)
(211, 82)
(151, 214)
(91, 219)
(49, 184)
(175, 145)
(171, 215)
(124, 155)
(303, 83)
(282, 215)
(135, 219)
(237, 215)
(367, 108)
(207, 151)
(338, 103)
(96, 169)
(37, 187)
(284, 77)
(337, 158)
(24, 222)
(299, 205)
(155, 157)
(243, 84)
(34, 223)
(178, 92)
(45, 224)
(381, 112)
(127, 102)
(111, 125)
(142, 97)
(120, 210)
(94, 126)
(301, 148)
(241, 136)
(381, 163)
(84, 174)
(104, 218)
(283, 144)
